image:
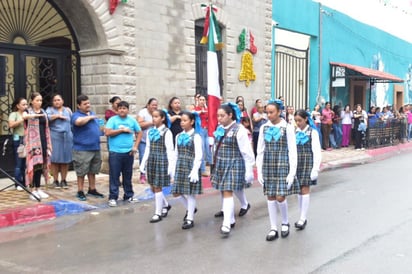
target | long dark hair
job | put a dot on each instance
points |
(16, 102)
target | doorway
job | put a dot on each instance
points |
(358, 94)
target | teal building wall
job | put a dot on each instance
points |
(345, 40)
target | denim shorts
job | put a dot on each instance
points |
(85, 162)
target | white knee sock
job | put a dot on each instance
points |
(221, 198)
(273, 214)
(165, 202)
(191, 205)
(228, 211)
(305, 206)
(240, 194)
(283, 207)
(182, 199)
(159, 203)
(300, 201)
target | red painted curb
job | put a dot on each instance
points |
(24, 215)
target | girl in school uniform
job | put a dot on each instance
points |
(188, 158)
(158, 154)
(234, 160)
(309, 159)
(276, 165)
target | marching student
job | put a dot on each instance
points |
(234, 160)
(309, 158)
(276, 165)
(186, 166)
(155, 163)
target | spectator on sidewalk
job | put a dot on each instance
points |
(259, 119)
(309, 160)
(38, 145)
(120, 130)
(203, 112)
(62, 140)
(174, 110)
(113, 110)
(276, 163)
(144, 118)
(346, 116)
(255, 107)
(337, 126)
(186, 166)
(409, 118)
(234, 162)
(87, 159)
(360, 124)
(16, 123)
(158, 155)
(316, 115)
(372, 118)
(326, 118)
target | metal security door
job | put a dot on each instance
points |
(291, 76)
(25, 70)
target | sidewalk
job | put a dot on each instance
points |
(16, 208)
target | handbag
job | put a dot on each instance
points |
(21, 151)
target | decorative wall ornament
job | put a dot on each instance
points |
(247, 73)
(247, 45)
(113, 5)
(246, 41)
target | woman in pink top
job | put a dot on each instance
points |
(326, 119)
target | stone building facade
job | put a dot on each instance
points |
(147, 49)
(144, 49)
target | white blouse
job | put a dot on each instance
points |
(290, 133)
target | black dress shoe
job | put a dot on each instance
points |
(165, 211)
(301, 226)
(243, 211)
(285, 233)
(232, 225)
(156, 218)
(219, 214)
(188, 224)
(184, 218)
(271, 237)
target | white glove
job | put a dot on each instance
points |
(194, 176)
(314, 175)
(289, 180)
(249, 176)
(142, 168)
(260, 178)
(170, 171)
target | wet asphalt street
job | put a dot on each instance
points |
(359, 221)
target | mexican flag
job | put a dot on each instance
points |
(211, 35)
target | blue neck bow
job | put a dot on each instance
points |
(301, 138)
(183, 139)
(154, 135)
(272, 133)
(219, 133)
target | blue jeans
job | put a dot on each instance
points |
(20, 166)
(337, 132)
(120, 163)
(207, 155)
(141, 148)
(409, 131)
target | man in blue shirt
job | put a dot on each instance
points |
(121, 131)
(86, 147)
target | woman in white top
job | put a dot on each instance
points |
(346, 115)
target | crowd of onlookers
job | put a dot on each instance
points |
(56, 137)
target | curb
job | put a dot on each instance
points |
(41, 212)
